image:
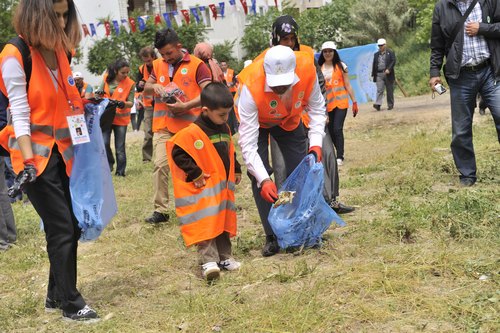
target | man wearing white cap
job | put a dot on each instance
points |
(84, 88)
(279, 88)
(383, 74)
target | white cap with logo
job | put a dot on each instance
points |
(279, 65)
(77, 75)
(381, 41)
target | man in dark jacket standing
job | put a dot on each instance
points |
(383, 74)
(472, 52)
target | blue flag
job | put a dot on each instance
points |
(142, 23)
(221, 5)
(92, 29)
(194, 11)
(117, 27)
(166, 16)
(254, 7)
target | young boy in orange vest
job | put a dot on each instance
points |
(204, 174)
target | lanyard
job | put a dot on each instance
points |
(59, 84)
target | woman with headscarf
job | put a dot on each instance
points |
(205, 52)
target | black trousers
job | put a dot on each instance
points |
(51, 199)
(336, 129)
(293, 145)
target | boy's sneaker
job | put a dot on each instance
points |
(210, 271)
(86, 314)
(230, 264)
(52, 305)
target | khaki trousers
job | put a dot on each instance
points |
(215, 250)
(161, 171)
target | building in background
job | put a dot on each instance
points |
(230, 27)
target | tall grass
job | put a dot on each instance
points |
(420, 254)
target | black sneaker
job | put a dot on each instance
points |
(340, 208)
(271, 247)
(467, 181)
(86, 314)
(157, 217)
(52, 305)
(376, 107)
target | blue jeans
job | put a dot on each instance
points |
(463, 91)
(121, 157)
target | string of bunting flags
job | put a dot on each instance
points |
(178, 16)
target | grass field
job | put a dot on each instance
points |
(420, 254)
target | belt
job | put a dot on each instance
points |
(477, 67)
(381, 71)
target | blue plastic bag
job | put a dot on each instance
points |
(308, 216)
(92, 193)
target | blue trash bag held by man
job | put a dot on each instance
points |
(92, 193)
(302, 221)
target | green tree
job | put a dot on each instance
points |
(326, 23)
(257, 33)
(223, 52)
(6, 28)
(379, 18)
(127, 45)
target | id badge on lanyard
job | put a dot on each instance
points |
(77, 125)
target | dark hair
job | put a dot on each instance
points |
(335, 61)
(147, 51)
(114, 68)
(216, 95)
(166, 36)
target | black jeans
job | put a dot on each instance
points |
(121, 156)
(136, 119)
(336, 129)
(293, 145)
(51, 199)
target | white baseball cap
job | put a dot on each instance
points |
(329, 45)
(381, 41)
(247, 63)
(279, 65)
(77, 75)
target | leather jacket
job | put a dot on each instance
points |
(446, 15)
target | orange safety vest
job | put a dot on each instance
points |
(272, 111)
(203, 213)
(228, 76)
(84, 88)
(121, 92)
(336, 93)
(185, 78)
(49, 109)
(147, 99)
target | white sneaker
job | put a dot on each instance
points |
(230, 264)
(210, 270)
(340, 161)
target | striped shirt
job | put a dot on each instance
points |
(475, 48)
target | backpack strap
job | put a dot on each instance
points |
(25, 54)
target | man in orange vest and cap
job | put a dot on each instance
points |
(277, 90)
(190, 75)
(284, 31)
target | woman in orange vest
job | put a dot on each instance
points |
(39, 138)
(118, 86)
(338, 88)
